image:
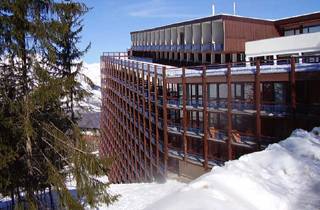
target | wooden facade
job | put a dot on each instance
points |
(238, 32)
(154, 122)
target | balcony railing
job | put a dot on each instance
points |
(174, 48)
(217, 47)
(206, 47)
(188, 47)
(196, 48)
(180, 47)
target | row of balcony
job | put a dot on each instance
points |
(270, 109)
(181, 48)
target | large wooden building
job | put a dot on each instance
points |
(243, 92)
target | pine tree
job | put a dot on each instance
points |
(38, 132)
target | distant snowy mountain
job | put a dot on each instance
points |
(92, 103)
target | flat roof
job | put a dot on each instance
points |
(303, 17)
(209, 18)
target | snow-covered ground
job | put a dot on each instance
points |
(139, 196)
(285, 176)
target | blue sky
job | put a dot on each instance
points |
(109, 23)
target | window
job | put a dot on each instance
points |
(223, 91)
(248, 92)
(238, 90)
(268, 92)
(288, 32)
(279, 93)
(311, 29)
(212, 91)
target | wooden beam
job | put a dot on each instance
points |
(205, 117)
(229, 114)
(157, 117)
(165, 120)
(150, 122)
(144, 123)
(258, 105)
(185, 113)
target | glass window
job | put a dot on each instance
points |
(288, 32)
(314, 29)
(268, 92)
(238, 90)
(223, 91)
(249, 92)
(200, 90)
(279, 93)
(212, 91)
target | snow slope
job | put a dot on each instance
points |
(139, 196)
(284, 176)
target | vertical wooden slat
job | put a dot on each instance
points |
(205, 116)
(144, 122)
(139, 133)
(229, 114)
(185, 113)
(293, 84)
(150, 122)
(258, 105)
(165, 120)
(157, 117)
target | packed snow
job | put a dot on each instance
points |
(139, 196)
(284, 176)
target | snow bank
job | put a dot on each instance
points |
(284, 176)
(139, 196)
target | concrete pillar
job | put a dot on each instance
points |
(300, 59)
(196, 57)
(247, 61)
(188, 57)
(170, 55)
(223, 58)
(213, 58)
(204, 57)
(274, 60)
(234, 57)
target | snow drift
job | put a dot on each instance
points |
(284, 176)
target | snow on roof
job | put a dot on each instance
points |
(296, 16)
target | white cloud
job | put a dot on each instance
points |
(157, 9)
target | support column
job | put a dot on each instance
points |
(165, 120)
(157, 117)
(223, 58)
(213, 58)
(229, 114)
(274, 60)
(293, 84)
(205, 116)
(144, 122)
(139, 124)
(150, 123)
(258, 105)
(184, 110)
